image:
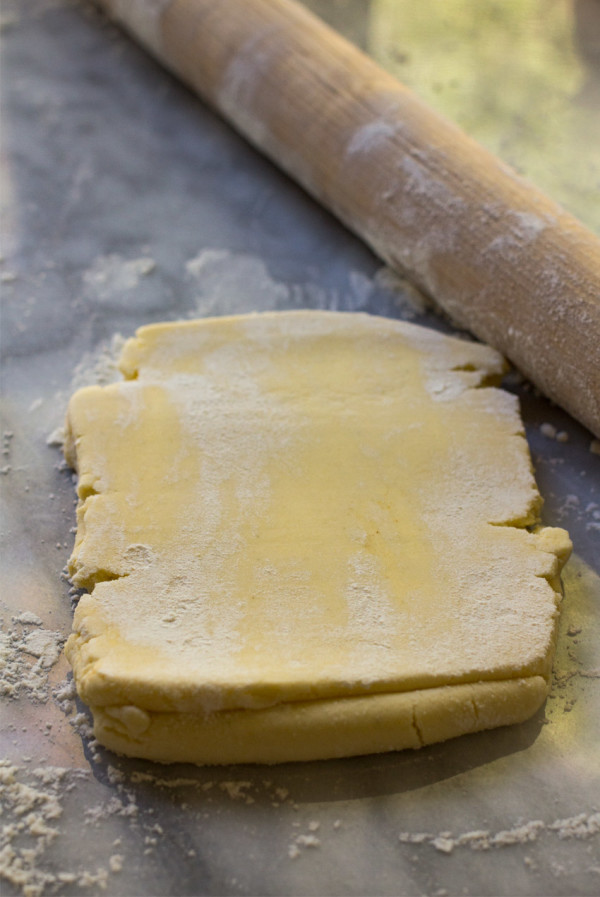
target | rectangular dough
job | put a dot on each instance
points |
(303, 535)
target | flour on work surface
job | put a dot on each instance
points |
(99, 367)
(225, 282)
(580, 827)
(33, 804)
(301, 842)
(575, 507)
(27, 653)
(36, 803)
(110, 276)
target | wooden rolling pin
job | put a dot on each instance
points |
(502, 259)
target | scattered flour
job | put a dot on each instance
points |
(237, 790)
(114, 806)
(32, 805)
(304, 840)
(43, 644)
(583, 826)
(99, 368)
(65, 694)
(235, 283)
(137, 777)
(29, 618)
(112, 275)
(585, 513)
(27, 653)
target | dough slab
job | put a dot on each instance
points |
(306, 535)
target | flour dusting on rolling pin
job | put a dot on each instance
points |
(495, 253)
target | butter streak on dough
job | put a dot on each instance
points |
(306, 535)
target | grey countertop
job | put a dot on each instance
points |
(126, 201)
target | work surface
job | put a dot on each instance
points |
(126, 201)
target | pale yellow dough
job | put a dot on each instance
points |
(306, 535)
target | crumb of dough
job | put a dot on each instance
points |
(65, 694)
(301, 842)
(56, 437)
(115, 862)
(308, 841)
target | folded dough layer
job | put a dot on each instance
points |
(313, 525)
(313, 730)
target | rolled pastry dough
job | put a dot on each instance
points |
(306, 535)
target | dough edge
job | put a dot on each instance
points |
(322, 729)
